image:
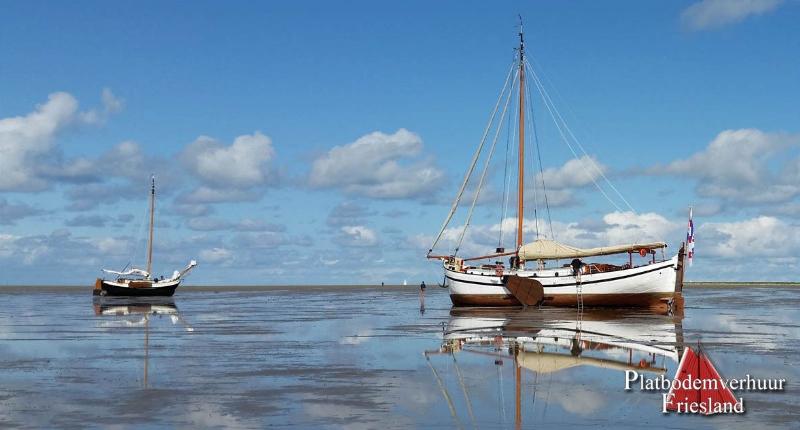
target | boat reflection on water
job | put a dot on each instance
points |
(137, 312)
(547, 342)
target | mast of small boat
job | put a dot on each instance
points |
(152, 218)
(521, 179)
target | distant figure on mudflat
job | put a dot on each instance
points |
(422, 297)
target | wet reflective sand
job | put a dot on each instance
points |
(366, 357)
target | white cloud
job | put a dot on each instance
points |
(371, 166)
(233, 173)
(7, 246)
(60, 247)
(624, 227)
(563, 182)
(28, 153)
(709, 14)
(615, 228)
(12, 212)
(357, 236)
(205, 223)
(111, 103)
(124, 159)
(348, 213)
(111, 245)
(88, 221)
(758, 237)
(24, 139)
(216, 255)
(740, 166)
(203, 195)
(575, 173)
(242, 164)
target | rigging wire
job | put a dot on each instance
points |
(474, 162)
(535, 196)
(541, 165)
(513, 139)
(138, 241)
(555, 114)
(485, 169)
(510, 136)
(505, 180)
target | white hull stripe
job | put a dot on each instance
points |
(567, 284)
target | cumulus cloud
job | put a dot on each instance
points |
(613, 228)
(88, 221)
(739, 166)
(125, 159)
(759, 237)
(575, 173)
(121, 172)
(111, 103)
(60, 247)
(27, 143)
(348, 213)
(246, 224)
(25, 139)
(216, 255)
(10, 213)
(90, 196)
(243, 164)
(203, 195)
(562, 182)
(233, 173)
(262, 240)
(378, 165)
(356, 236)
(711, 14)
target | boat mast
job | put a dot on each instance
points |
(152, 217)
(521, 179)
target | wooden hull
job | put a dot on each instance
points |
(107, 288)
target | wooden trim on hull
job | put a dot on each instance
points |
(655, 301)
(113, 290)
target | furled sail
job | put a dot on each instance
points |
(133, 271)
(546, 249)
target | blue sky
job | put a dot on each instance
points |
(316, 142)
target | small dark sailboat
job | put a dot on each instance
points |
(139, 282)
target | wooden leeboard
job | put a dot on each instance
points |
(528, 291)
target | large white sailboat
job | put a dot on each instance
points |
(646, 280)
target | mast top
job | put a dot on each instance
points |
(521, 39)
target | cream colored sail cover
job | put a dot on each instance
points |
(546, 249)
(546, 362)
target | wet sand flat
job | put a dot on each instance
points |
(366, 357)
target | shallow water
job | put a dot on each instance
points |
(367, 357)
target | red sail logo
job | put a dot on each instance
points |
(698, 388)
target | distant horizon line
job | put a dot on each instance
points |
(690, 284)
